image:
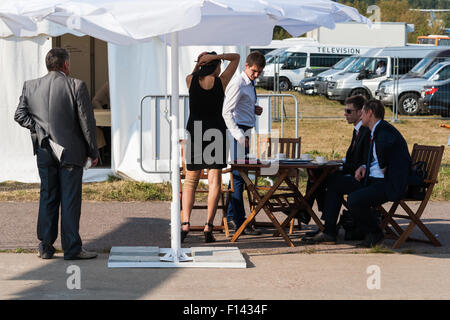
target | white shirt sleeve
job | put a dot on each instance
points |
(232, 95)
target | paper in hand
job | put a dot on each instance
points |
(57, 149)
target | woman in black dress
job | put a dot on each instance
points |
(206, 143)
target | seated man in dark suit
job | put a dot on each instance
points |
(382, 179)
(354, 157)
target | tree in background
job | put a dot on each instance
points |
(279, 33)
(398, 11)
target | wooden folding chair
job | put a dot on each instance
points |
(223, 199)
(266, 147)
(432, 156)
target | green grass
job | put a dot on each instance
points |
(380, 249)
(320, 137)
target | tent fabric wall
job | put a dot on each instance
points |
(134, 71)
(22, 59)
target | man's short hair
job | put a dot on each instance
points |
(377, 108)
(357, 101)
(55, 58)
(256, 58)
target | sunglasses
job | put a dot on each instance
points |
(349, 111)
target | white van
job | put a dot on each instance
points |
(363, 77)
(291, 63)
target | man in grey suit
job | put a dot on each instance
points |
(58, 112)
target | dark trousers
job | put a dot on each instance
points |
(236, 211)
(60, 186)
(360, 200)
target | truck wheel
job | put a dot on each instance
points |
(408, 104)
(360, 92)
(284, 84)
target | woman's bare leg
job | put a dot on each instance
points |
(188, 199)
(214, 181)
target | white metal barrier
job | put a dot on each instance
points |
(161, 109)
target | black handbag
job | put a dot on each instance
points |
(416, 185)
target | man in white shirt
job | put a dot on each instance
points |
(383, 178)
(355, 156)
(239, 113)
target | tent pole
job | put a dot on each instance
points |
(175, 214)
(175, 254)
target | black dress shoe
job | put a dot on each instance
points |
(46, 251)
(354, 234)
(371, 240)
(311, 234)
(231, 225)
(324, 238)
(82, 255)
(251, 230)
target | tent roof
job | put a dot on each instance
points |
(199, 22)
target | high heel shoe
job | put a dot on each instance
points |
(184, 233)
(208, 234)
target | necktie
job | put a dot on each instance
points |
(369, 161)
(355, 137)
(254, 89)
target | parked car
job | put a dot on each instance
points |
(436, 99)
(307, 86)
(409, 90)
(430, 60)
(321, 83)
(290, 65)
(312, 72)
(365, 74)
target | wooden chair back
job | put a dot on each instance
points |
(432, 156)
(268, 147)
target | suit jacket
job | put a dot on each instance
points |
(357, 155)
(59, 107)
(392, 152)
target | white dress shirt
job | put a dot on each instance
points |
(239, 105)
(356, 127)
(375, 170)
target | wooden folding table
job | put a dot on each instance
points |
(283, 172)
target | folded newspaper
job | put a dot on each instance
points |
(57, 149)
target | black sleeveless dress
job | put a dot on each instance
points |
(206, 143)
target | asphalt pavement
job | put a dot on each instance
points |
(274, 270)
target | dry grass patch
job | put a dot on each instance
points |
(325, 137)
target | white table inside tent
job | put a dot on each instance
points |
(102, 117)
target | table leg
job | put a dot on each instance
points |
(303, 200)
(262, 205)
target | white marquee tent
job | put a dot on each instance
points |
(185, 22)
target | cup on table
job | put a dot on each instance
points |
(321, 159)
(280, 156)
(305, 156)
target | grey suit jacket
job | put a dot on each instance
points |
(59, 107)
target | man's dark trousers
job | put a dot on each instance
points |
(236, 210)
(361, 198)
(60, 185)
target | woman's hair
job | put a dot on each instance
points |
(209, 68)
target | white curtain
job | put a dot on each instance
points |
(21, 59)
